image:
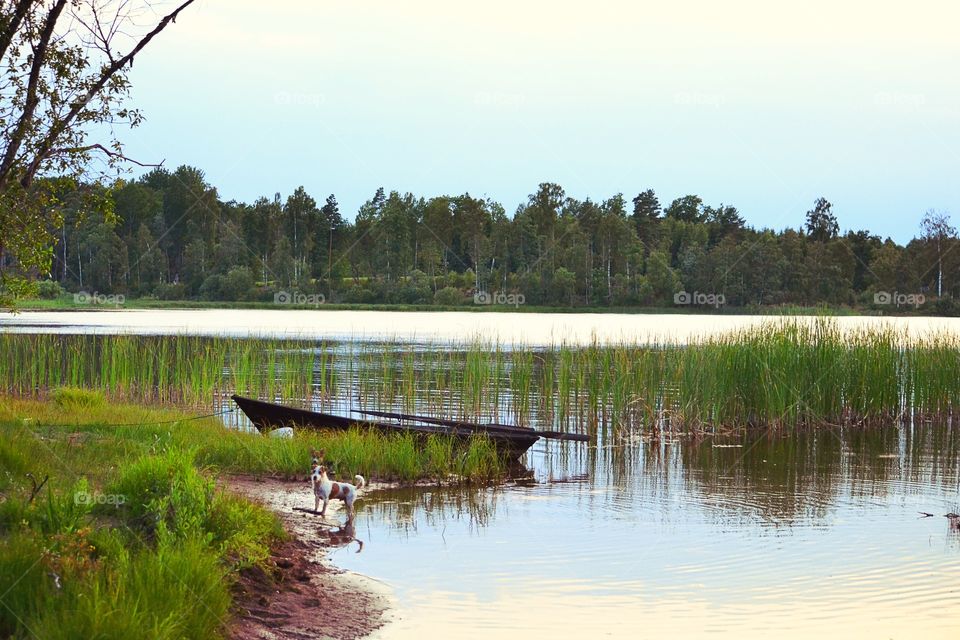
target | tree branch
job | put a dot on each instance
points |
(30, 105)
(10, 30)
(46, 146)
(109, 152)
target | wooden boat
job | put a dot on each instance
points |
(510, 440)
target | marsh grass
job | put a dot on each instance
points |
(780, 374)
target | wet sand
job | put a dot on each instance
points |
(303, 595)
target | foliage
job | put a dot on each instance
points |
(556, 250)
(75, 567)
(64, 65)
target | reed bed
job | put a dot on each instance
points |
(782, 374)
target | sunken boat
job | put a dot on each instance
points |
(511, 441)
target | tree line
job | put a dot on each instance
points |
(169, 235)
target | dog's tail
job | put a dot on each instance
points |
(360, 481)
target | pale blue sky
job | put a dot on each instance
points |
(750, 103)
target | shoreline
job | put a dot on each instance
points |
(307, 595)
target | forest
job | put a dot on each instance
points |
(168, 235)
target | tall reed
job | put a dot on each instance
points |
(781, 374)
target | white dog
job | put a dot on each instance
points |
(327, 490)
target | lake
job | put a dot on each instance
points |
(427, 326)
(805, 536)
(797, 535)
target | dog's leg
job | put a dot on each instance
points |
(325, 501)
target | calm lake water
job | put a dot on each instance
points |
(425, 326)
(812, 535)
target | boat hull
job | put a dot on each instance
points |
(267, 416)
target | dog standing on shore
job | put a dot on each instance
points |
(327, 490)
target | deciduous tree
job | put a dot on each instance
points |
(64, 66)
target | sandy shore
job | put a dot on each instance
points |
(306, 596)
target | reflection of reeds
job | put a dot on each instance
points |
(405, 508)
(779, 375)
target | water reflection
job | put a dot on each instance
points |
(408, 509)
(342, 536)
(815, 533)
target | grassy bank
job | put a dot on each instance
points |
(136, 542)
(129, 536)
(781, 374)
(100, 436)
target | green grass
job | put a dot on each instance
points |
(77, 399)
(37, 429)
(132, 523)
(144, 547)
(779, 374)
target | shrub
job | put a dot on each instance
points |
(237, 284)
(358, 294)
(947, 307)
(449, 297)
(164, 496)
(167, 499)
(171, 291)
(212, 288)
(49, 289)
(77, 398)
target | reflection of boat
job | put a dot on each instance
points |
(510, 440)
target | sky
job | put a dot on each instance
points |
(751, 103)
